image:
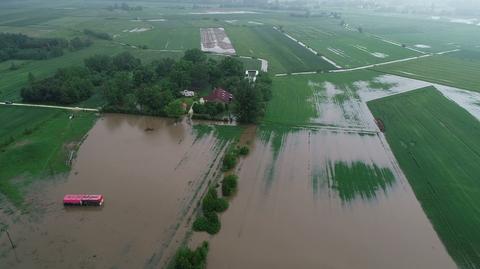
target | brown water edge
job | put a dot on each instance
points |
(285, 224)
(150, 180)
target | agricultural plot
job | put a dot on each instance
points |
(324, 100)
(347, 47)
(216, 40)
(162, 38)
(436, 143)
(36, 143)
(458, 69)
(312, 197)
(283, 54)
(417, 31)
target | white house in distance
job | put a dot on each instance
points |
(187, 93)
(251, 75)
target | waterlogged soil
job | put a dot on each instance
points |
(292, 211)
(345, 106)
(149, 170)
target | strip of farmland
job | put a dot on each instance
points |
(216, 40)
(283, 54)
(436, 144)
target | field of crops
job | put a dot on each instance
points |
(283, 54)
(325, 99)
(347, 47)
(459, 69)
(436, 34)
(36, 143)
(436, 143)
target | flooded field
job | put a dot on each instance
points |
(294, 208)
(330, 194)
(150, 170)
(326, 194)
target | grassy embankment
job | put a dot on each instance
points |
(35, 143)
(436, 143)
(459, 69)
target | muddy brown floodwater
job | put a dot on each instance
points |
(286, 213)
(149, 179)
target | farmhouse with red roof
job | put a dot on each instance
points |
(219, 95)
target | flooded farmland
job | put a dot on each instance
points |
(329, 194)
(292, 212)
(150, 170)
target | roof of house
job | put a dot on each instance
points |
(219, 95)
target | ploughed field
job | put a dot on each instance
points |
(216, 40)
(436, 144)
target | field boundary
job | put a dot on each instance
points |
(56, 107)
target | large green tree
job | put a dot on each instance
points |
(248, 103)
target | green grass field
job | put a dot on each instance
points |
(459, 69)
(35, 143)
(283, 54)
(438, 34)
(436, 143)
(346, 47)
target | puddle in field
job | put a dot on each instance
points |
(149, 171)
(340, 107)
(298, 222)
(467, 99)
(345, 106)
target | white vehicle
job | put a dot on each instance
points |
(187, 93)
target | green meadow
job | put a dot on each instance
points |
(36, 143)
(436, 143)
(458, 69)
(346, 46)
(283, 54)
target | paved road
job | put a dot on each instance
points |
(48, 106)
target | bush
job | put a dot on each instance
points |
(243, 150)
(221, 205)
(229, 185)
(209, 223)
(188, 259)
(230, 160)
(211, 202)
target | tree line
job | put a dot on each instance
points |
(22, 47)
